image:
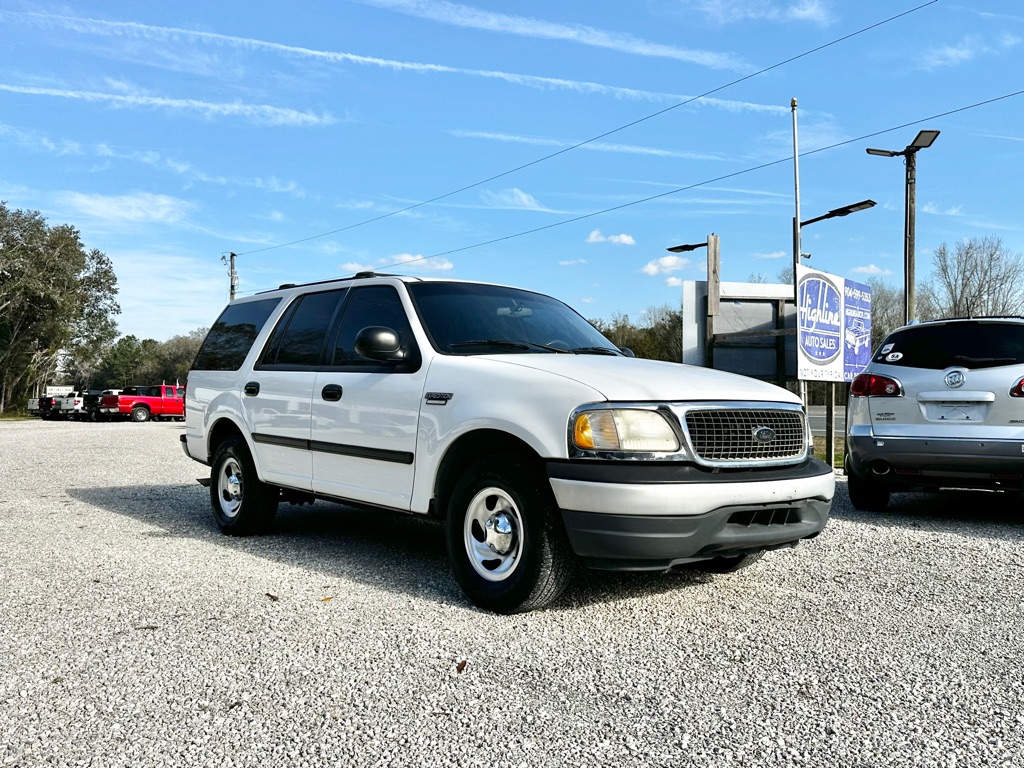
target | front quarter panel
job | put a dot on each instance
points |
(471, 393)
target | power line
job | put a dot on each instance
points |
(598, 137)
(710, 181)
(704, 183)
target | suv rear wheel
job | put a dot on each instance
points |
(867, 495)
(507, 547)
(242, 503)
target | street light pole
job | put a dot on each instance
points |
(923, 140)
(714, 290)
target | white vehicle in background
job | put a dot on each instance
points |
(506, 415)
(69, 406)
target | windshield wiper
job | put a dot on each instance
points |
(506, 344)
(595, 351)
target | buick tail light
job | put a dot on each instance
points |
(1017, 390)
(873, 385)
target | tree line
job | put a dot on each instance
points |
(58, 308)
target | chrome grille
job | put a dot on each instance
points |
(730, 435)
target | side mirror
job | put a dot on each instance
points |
(379, 343)
(627, 351)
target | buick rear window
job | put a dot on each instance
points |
(964, 345)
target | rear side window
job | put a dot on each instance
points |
(965, 345)
(231, 337)
(299, 337)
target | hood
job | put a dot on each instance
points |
(633, 379)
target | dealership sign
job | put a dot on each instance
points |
(833, 326)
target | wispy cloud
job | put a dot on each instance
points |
(141, 207)
(734, 11)
(596, 146)
(772, 255)
(259, 113)
(623, 239)
(572, 262)
(934, 209)
(871, 269)
(674, 282)
(967, 49)
(177, 35)
(412, 262)
(455, 14)
(512, 199)
(665, 265)
(37, 142)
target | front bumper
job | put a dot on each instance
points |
(654, 516)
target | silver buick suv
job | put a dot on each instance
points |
(940, 405)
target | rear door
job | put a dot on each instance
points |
(366, 412)
(956, 379)
(277, 398)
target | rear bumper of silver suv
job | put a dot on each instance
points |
(909, 463)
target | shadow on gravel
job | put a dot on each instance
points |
(387, 550)
(977, 514)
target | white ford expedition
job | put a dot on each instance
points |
(504, 413)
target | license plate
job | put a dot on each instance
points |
(956, 411)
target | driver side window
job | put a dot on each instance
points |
(376, 305)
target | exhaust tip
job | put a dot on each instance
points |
(881, 468)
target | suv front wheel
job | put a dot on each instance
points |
(507, 547)
(242, 503)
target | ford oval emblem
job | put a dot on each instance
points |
(955, 379)
(763, 434)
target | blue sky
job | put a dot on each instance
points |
(170, 134)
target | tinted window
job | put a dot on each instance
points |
(456, 314)
(231, 337)
(967, 345)
(299, 336)
(372, 305)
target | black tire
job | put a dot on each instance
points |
(867, 495)
(728, 564)
(243, 505)
(503, 506)
(140, 414)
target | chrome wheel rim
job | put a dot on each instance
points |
(229, 488)
(493, 534)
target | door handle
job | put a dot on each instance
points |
(331, 393)
(252, 389)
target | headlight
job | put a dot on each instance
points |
(623, 429)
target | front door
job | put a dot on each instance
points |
(366, 412)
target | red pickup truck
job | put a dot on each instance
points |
(142, 403)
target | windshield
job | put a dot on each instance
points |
(967, 345)
(474, 319)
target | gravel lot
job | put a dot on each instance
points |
(135, 634)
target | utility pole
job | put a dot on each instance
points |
(230, 260)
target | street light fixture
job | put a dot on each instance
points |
(846, 210)
(686, 248)
(923, 140)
